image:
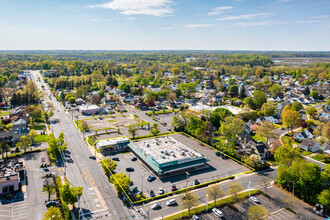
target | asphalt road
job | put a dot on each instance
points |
(99, 196)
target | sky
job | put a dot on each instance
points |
(291, 25)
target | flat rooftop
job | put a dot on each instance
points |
(112, 142)
(165, 150)
(88, 107)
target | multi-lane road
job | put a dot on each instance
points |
(99, 197)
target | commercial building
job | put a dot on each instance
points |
(11, 175)
(166, 155)
(89, 109)
(116, 144)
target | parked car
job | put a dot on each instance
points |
(217, 212)
(50, 203)
(171, 202)
(156, 206)
(92, 157)
(174, 188)
(151, 192)
(129, 169)
(151, 178)
(255, 199)
(133, 159)
(195, 217)
(197, 182)
(133, 189)
(115, 158)
(161, 191)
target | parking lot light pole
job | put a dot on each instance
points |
(142, 183)
(249, 187)
(206, 201)
(187, 179)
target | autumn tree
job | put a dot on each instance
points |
(95, 99)
(326, 131)
(215, 191)
(291, 119)
(311, 111)
(176, 70)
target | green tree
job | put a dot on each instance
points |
(108, 166)
(233, 88)
(286, 154)
(231, 126)
(72, 100)
(178, 123)
(218, 115)
(4, 147)
(257, 212)
(265, 129)
(268, 108)
(132, 131)
(48, 188)
(249, 102)
(291, 119)
(276, 90)
(259, 98)
(71, 194)
(189, 200)
(24, 143)
(324, 198)
(121, 182)
(215, 191)
(101, 93)
(311, 111)
(53, 213)
(314, 94)
(297, 106)
(155, 129)
(234, 189)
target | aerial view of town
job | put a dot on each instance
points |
(165, 109)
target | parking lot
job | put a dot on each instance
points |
(111, 121)
(282, 215)
(218, 168)
(16, 208)
(228, 213)
(264, 201)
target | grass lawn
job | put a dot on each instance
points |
(4, 113)
(306, 153)
(257, 137)
(321, 157)
(41, 138)
(111, 120)
(38, 127)
(287, 139)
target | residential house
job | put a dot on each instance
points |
(309, 145)
(248, 127)
(79, 101)
(302, 135)
(120, 108)
(262, 150)
(280, 107)
(18, 111)
(20, 127)
(272, 119)
(325, 147)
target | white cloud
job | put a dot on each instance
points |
(139, 7)
(309, 21)
(132, 18)
(285, 0)
(320, 17)
(193, 26)
(219, 10)
(246, 16)
(167, 28)
(260, 23)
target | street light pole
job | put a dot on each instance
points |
(249, 187)
(187, 179)
(142, 183)
(206, 202)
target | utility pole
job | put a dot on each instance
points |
(249, 187)
(206, 202)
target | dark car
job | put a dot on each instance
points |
(151, 178)
(218, 154)
(92, 157)
(50, 203)
(174, 188)
(133, 159)
(197, 182)
(151, 192)
(129, 169)
(115, 158)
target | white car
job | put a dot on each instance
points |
(161, 191)
(255, 199)
(217, 212)
(171, 202)
(156, 206)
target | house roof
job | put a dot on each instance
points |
(261, 148)
(308, 142)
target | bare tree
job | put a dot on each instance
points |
(265, 184)
(49, 188)
(215, 191)
(189, 200)
(234, 189)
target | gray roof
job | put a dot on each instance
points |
(308, 142)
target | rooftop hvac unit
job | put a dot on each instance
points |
(148, 145)
(157, 143)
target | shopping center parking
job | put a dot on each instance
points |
(218, 168)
